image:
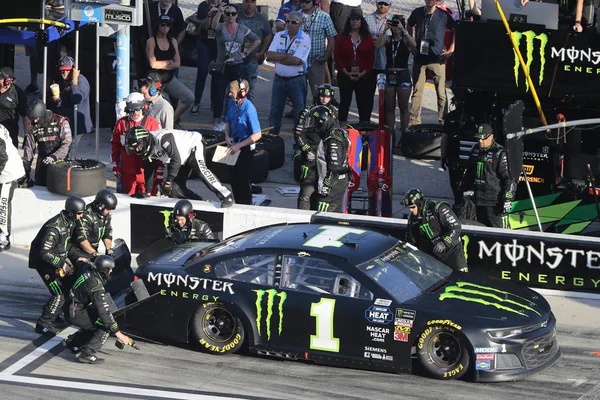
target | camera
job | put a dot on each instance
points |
(398, 18)
(394, 22)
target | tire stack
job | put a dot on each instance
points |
(275, 146)
(80, 177)
(422, 141)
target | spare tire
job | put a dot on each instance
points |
(80, 177)
(260, 166)
(423, 141)
(275, 146)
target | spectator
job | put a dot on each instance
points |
(73, 90)
(430, 25)
(163, 55)
(259, 24)
(13, 102)
(209, 14)
(167, 7)
(230, 44)
(159, 108)
(242, 130)
(378, 27)
(289, 51)
(340, 12)
(319, 27)
(354, 56)
(284, 10)
(398, 80)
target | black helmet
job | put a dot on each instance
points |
(320, 115)
(413, 197)
(183, 208)
(105, 199)
(73, 205)
(138, 141)
(103, 265)
(36, 109)
(326, 90)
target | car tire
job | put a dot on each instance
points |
(260, 166)
(275, 146)
(443, 353)
(422, 141)
(216, 328)
(80, 177)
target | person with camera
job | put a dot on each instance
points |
(129, 169)
(158, 107)
(242, 131)
(184, 226)
(398, 81)
(13, 103)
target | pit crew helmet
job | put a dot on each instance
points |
(413, 197)
(321, 115)
(183, 208)
(103, 266)
(73, 205)
(138, 141)
(326, 90)
(36, 109)
(105, 200)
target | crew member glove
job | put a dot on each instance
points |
(48, 160)
(469, 193)
(310, 156)
(507, 206)
(325, 190)
(117, 171)
(181, 237)
(439, 248)
(110, 252)
(166, 188)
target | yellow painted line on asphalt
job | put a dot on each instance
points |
(266, 68)
(203, 125)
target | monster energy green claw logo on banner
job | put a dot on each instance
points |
(167, 215)
(489, 296)
(271, 295)
(530, 54)
(427, 230)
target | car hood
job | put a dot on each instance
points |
(485, 298)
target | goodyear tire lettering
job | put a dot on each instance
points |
(423, 336)
(454, 371)
(444, 322)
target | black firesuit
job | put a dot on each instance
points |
(52, 136)
(308, 140)
(49, 251)
(94, 227)
(435, 223)
(333, 170)
(87, 307)
(192, 231)
(13, 103)
(488, 176)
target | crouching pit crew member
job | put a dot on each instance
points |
(95, 225)
(87, 307)
(434, 229)
(184, 227)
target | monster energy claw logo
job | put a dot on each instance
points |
(167, 215)
(55, 287)
(530, 36)
(303, 171)
(271, 294)
(427, 230)
(323, 206)
(488, 296)
(480, 169)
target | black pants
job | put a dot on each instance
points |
(364, 98)
(40, 171)
(454, 257)
(241, 174)
(56, 287)
(92, 335)
(491, 216)
(7, 191)
(334, 200)
(307, 198)
(13, 131)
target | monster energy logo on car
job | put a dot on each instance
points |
(488, 296)
(427, 230)
(271, 294)
(480, 169)
(530, 36)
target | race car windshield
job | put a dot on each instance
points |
(405, 272)
(229, 244)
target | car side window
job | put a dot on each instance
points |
(313, 275)
(258, 269)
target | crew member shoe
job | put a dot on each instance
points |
(89, 359)
(194, 110)
(45, 330)
(68, 344)
(227, 202)
(4, 246)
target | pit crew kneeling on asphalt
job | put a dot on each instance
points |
(184, 227)
(95, 226)
(50, 133)
(183, 151)
(332, 160)
(49, 256)
(434, 229)
(87, 308)
(308, 140)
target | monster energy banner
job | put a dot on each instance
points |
(539, 260)
(148, 224)
(561, 61)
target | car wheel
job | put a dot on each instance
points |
(217, 329)
(442, 352)
(80, 177)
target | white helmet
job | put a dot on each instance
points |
(135, 101)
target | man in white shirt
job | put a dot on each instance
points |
(289, 51)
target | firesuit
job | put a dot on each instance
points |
(94, 226)
(308, 140)
(129, 167)
(488, 177)
(49, 253)
(52, 136)
(11, 169)
(192, 230)
(435, 230)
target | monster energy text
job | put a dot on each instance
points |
(271, 294)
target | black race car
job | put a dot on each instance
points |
(343, 296)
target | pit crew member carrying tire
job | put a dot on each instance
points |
(435, 229)
(184, 227)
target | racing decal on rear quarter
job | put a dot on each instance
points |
(471, 292)
(378, 315)
(271, 294)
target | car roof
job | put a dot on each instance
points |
(352, 243)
